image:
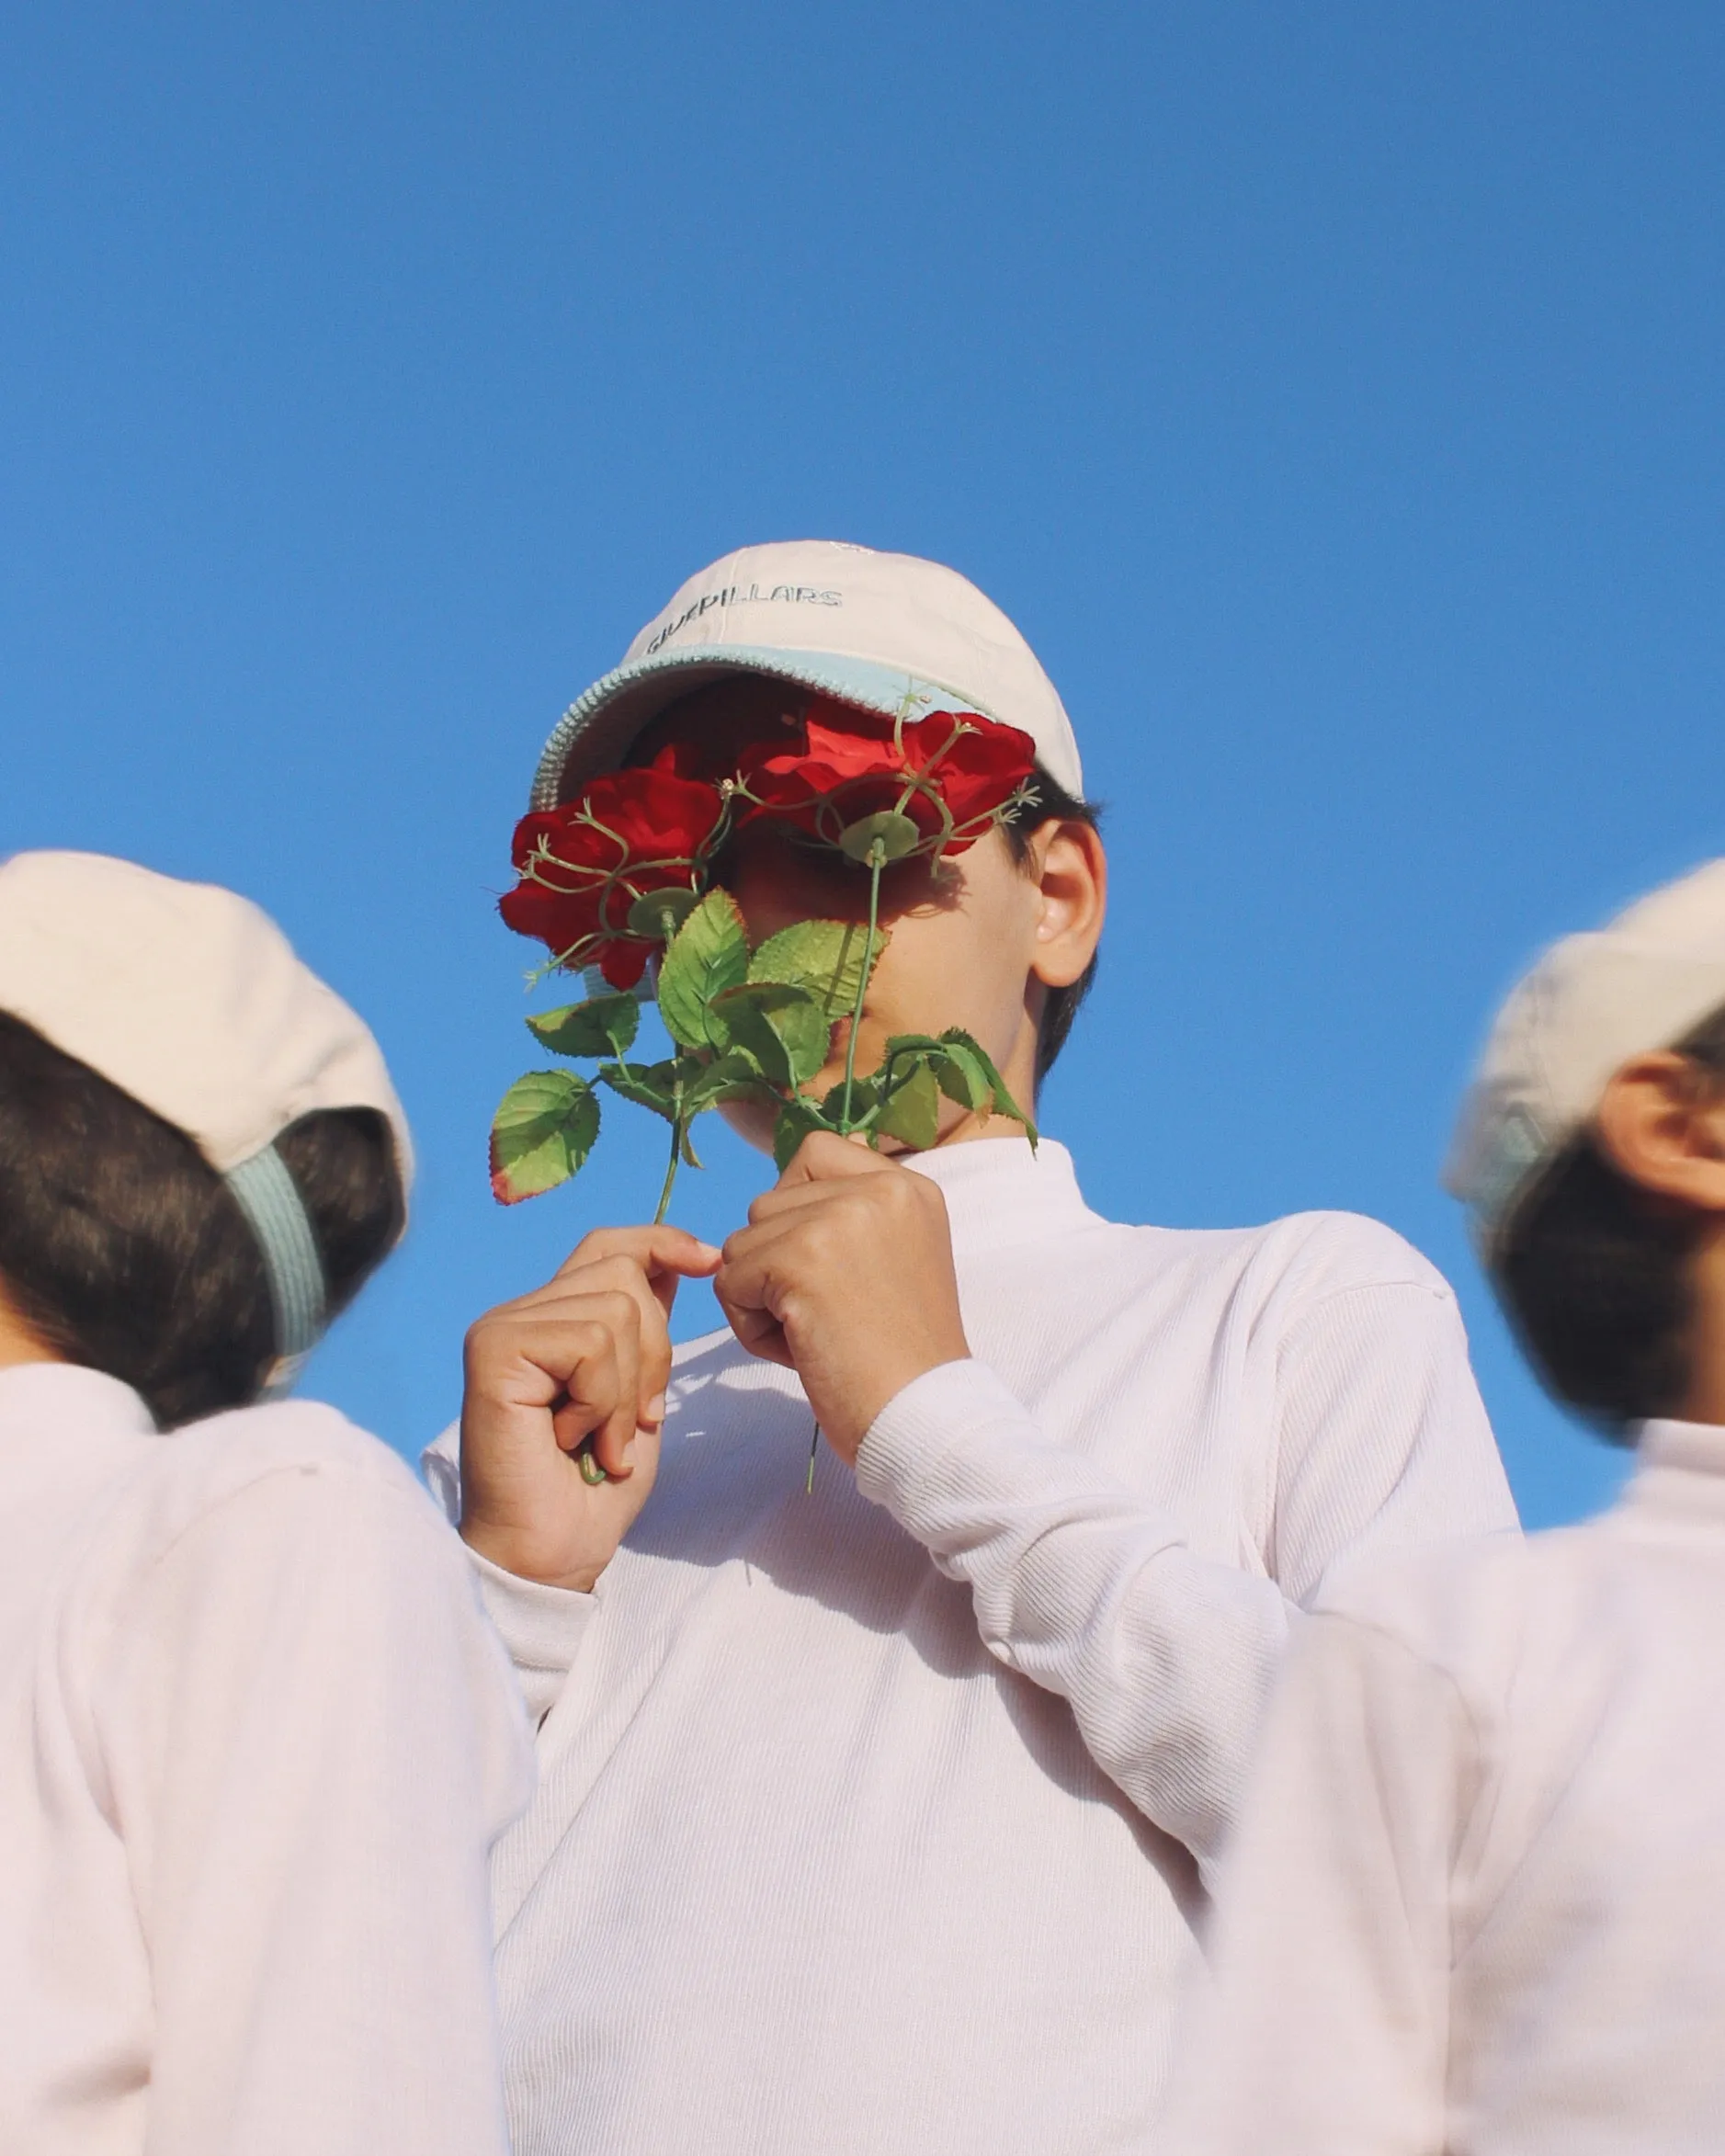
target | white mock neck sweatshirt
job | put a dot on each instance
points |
(1478, 1900)
(255, 1736)
(877, 1821)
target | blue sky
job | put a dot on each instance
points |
(1331, 393)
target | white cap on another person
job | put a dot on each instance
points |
(1592, 1002)
(191, 999)
(885, 633)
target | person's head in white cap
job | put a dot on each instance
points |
(1591, 1153)
(201, 1156)
(1002, 940)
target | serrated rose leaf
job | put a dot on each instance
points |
(825, 957)
(735, 1075)
(962, 1077)
(797, 1118)
(604, 1027)
(710, 953)
(1004, 1104)
(784, 1028)
(649, 1086)
(910, 1111)
(544, 1129)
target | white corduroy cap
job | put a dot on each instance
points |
(887, 632)
(191, 999)
(1591, 1004)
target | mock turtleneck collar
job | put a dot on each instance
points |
(1679, 1473)
(999, 1192)
(1698, 1446)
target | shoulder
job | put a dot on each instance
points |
(298, 1465)
(1464, 1606)
(1324, 1253)
(1290, 1266)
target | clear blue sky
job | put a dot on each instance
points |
(1331, 392)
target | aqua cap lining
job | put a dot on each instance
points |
(269, 1198)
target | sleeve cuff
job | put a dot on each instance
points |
(542, 1626)
(919, 1441)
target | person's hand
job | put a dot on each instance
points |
(844, 1273)
(585, 1358)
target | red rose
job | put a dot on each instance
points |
(584, 866)
(849, 766)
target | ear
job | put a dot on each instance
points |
(1661, 1123)
(1072, 876)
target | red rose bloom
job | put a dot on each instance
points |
(585, 865)
(847, 767)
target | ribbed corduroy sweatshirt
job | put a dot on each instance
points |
(877, 1819)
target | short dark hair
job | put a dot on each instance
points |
(1595, 1278)
(123, 1250)
(1054, 804)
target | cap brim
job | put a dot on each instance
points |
(595, 733)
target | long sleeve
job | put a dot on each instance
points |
(1166, 1656)
(542, 1626)
(309, 1738)
(1324, 2032)
(1086, 1589)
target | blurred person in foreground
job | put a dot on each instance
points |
(256, 1735)
(1477, 1901)
(878, 1819)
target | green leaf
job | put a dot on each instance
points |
(865, 1097)
(825, 957)
(710, 953)
(911, 1109)
(956, 1038)
(784, 1028)
(966, 1077)
(649, 1086)
(796, 1119)
(604, 1027)
(544, 1129)
(736, 1075)
(889, 829)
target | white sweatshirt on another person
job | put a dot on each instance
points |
(255, 1736)
(1478, 1901)
(876, 1821)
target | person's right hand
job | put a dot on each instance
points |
(587, 1356)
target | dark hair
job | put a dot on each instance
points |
(1054, 804)
(1595, 1276)
(123, 1249)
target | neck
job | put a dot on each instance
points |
(17, 1344)
(1705, 1401)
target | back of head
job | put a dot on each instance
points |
(1594, 1272)
(201, 1157)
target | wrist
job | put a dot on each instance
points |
(520, 1554)
(847, 1426)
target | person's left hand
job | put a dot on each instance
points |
(844, 1274)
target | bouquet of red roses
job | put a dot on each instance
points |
(621, 883)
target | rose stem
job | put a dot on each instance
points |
(670, 1174)
(667, 928)
(814, 1447)
(877, 861)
